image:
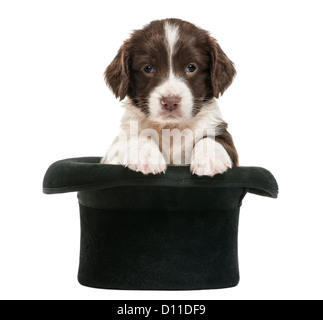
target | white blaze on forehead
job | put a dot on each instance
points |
(172, 35)
(173, 85)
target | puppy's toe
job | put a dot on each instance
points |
(202, 166)
(150, 161)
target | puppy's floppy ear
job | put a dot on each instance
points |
(117, 73)
(222, 70)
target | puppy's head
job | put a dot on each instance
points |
(169, 70)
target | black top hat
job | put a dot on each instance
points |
(173, 231)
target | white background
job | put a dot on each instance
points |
(55, 105)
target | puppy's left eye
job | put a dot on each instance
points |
(191, 68)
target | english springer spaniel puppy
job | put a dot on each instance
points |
(172, 73)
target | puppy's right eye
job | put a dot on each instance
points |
(149, 69)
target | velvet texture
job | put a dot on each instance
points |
(173, 231)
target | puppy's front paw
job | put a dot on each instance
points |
(148, 160)
(145, 158)
(209, 158)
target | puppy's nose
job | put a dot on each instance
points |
(170, 103)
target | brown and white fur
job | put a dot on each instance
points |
(172, 73)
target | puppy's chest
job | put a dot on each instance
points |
(177, 145)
